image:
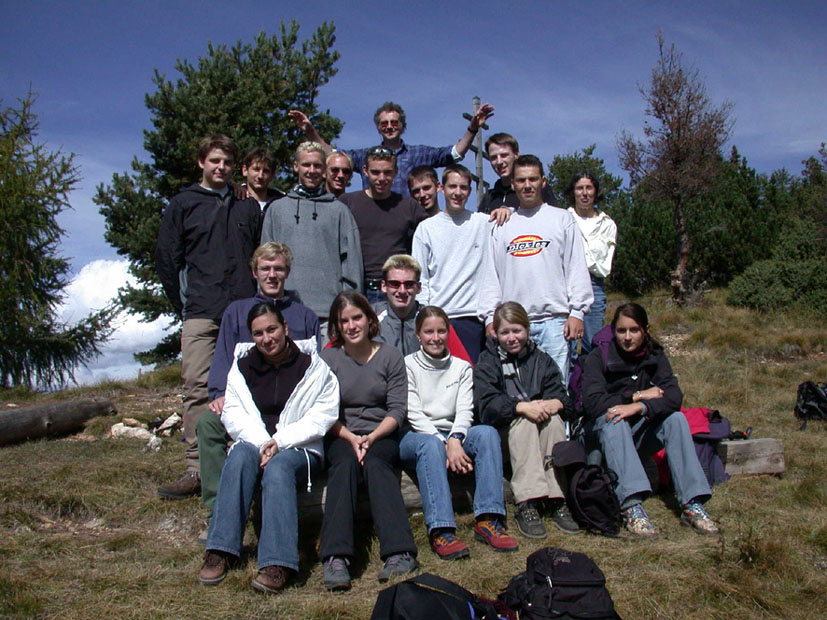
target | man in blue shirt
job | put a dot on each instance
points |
(390, 123)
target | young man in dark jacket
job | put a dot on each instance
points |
(204, 247)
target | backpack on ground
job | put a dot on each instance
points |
(588, 487)
(811, 402)
(559, 584)
(429, 597)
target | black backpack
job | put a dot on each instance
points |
(429, 597)
(559, 584)
(588, 487)
(811, 402)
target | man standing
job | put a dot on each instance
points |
(322, 232)
(424, 187)
(339, 172)
(258, 169)
(537, 260)
(451, 248)
(386, 220)
(204, 246)
(271, 265)
(389, 119)
(502, 150)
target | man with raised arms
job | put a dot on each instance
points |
(389, 119)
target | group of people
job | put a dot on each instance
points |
(435, 340)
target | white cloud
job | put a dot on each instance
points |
(93, 288)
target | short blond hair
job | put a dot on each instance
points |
(401, 261)
(269, 251)
(311, 147)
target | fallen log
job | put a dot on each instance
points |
(50, 420)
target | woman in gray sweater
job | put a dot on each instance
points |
(364, 443)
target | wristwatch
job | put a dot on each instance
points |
(460, 436)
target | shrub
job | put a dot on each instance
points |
(795, 277)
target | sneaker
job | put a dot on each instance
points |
(214, 568)
(696, 516)
(186, 485)
(396, 565)
(270, 579)
(637, 522)
(562, 518)
(492, 532)
(335, 573)
(528, 521)
(446, 545)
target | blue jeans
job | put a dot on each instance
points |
(427, 454)
(548, 335)
(279, 540)
(622, 442)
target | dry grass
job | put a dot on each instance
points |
(84, 536)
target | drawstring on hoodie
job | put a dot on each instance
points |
(307, 457)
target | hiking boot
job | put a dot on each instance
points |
(637, 522)
(396, 565)
(528, 521)
(562, 518)
(492, 532)
(696, 516)
(186, 485)
(214, 568)
(446, 546)
(335, 573)
(270, 579)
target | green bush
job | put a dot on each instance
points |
(795, 277)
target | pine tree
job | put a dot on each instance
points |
(677, 164)
(244, 92)
(36, 349)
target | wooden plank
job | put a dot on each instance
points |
(753, 456)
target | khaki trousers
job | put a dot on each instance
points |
(529, 449)
(198, 339)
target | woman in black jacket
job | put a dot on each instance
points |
(518, 387)
(632, 400)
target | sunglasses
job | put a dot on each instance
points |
(336, 170)
(392, 123)
(395, 284)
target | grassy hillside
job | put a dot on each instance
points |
(83, 535)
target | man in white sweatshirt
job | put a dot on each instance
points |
(537, 260)
(451, 248)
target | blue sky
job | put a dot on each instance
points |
(561, 75)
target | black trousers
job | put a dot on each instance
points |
(390, 517)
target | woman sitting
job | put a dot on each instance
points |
(519, 388)
(632, 400)
(280, 401)
(441, 438)
(364, 443)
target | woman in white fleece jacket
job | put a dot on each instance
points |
(280, 401)
(441, 437)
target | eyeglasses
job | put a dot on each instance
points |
(408, 284)
(380, 150)
(336, 170)
(391, 123)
